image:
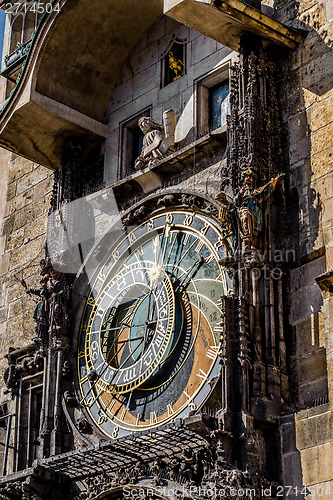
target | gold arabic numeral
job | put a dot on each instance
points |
(94, 350)
(188, 220)
(115, 255)
(102, 419)
(201, 374)
(212, 352)
(204, 229)
(171, 411)
(153, 417)
(90, 401)
(115, 432)
(150, 225)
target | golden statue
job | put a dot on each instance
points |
(175, 65)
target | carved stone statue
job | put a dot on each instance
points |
(42, 310)
(59, 291)
(249, 204)
(157, 140)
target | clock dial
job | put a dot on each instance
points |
(150, 333)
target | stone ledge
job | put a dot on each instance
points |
(225, 21)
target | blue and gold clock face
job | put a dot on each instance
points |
(151, 330)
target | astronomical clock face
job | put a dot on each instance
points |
(150, 333)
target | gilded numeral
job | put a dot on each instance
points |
(150, 225)
(201, 374)
(91, 301)
(94, 350)
(199, 246)
(186, 394)
(205, 228)
(123, 413)
(219, 243)
(153, 418)
(102, 419)
(209, 258)
(111, 404)
(90, 402)
(139, 253)
(187, 237)
(192, 405)
(212, 351)
(132, 237)
(116, 255)
(188, 220)
(171, 411)
(115, 432)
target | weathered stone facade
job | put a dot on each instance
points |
(27, 200)
(268, 424)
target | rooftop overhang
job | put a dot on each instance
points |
(76, 57)
(225, 21)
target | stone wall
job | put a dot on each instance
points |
(308, 119)
(25, 208)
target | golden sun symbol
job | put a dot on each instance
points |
(154, 272)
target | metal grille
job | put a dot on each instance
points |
(108, 456)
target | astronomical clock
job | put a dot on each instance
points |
(150, 332)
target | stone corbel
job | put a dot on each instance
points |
(325, 282)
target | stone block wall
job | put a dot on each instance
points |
(308, 121)
(25, 207)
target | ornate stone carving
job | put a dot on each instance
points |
(83, 425)
(59, 290)
(157, 140)
(254, 127)
(26, 366)
(67, 369)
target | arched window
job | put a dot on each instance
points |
(16, 32)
